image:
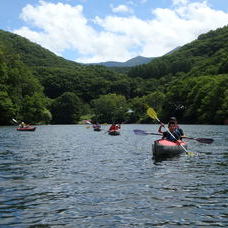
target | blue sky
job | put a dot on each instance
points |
(111, 30)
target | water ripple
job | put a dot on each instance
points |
(72, 176)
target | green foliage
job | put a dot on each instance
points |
(23, 96)
(222, 113)
(155, 100)
(33, 109)
(46, 116)
(66, 109)
(202, 99)
(7, 109)
(138, 106)
(110, 108)
(223, 69)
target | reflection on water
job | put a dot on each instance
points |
(71, 175)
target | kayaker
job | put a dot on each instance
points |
(96, 125)
(22, 125)
(176, 132)
(114, 127)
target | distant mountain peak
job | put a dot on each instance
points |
(138, 60)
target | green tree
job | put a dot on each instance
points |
(33, 108)
(198, 100)
(138, 106)
(7, 110)
(222, 113)
(66, 109)
(110, 108)
(155, 100)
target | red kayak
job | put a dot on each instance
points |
(166, 148)
(26, 129)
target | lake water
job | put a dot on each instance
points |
(72, 176)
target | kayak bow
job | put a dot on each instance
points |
(163, 148)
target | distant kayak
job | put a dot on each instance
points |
(113, 132)
(163, 148)
(97, 129)
(26, 129)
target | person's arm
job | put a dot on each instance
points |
(164, 134)
(160, 127)
(181, 133)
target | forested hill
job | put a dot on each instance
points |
(205, 56)
(30, 53)
(39, 87)
(34, 81)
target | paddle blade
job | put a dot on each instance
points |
(205, 140)
(14, 121)
(190, 153)
(151, 113)
(139, 132)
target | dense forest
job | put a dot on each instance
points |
(190, 83)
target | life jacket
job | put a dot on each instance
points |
(177, 133)
(114, 128)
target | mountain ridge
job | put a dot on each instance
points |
(138, 60)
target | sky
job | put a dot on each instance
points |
(91, 31)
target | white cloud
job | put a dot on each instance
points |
(64, 27)
(179, 2)
(121, 9)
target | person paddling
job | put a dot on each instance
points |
(96, 125)
(22, 125)
(114, 127)
(175, 130)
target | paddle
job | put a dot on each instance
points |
(151, 113)
(14, 121)
(201, 140)
(141, 132)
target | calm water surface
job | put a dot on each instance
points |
(71, 176)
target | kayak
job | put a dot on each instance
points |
(97, 129)
(26, 129)
(114, 132)
(165, 148)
